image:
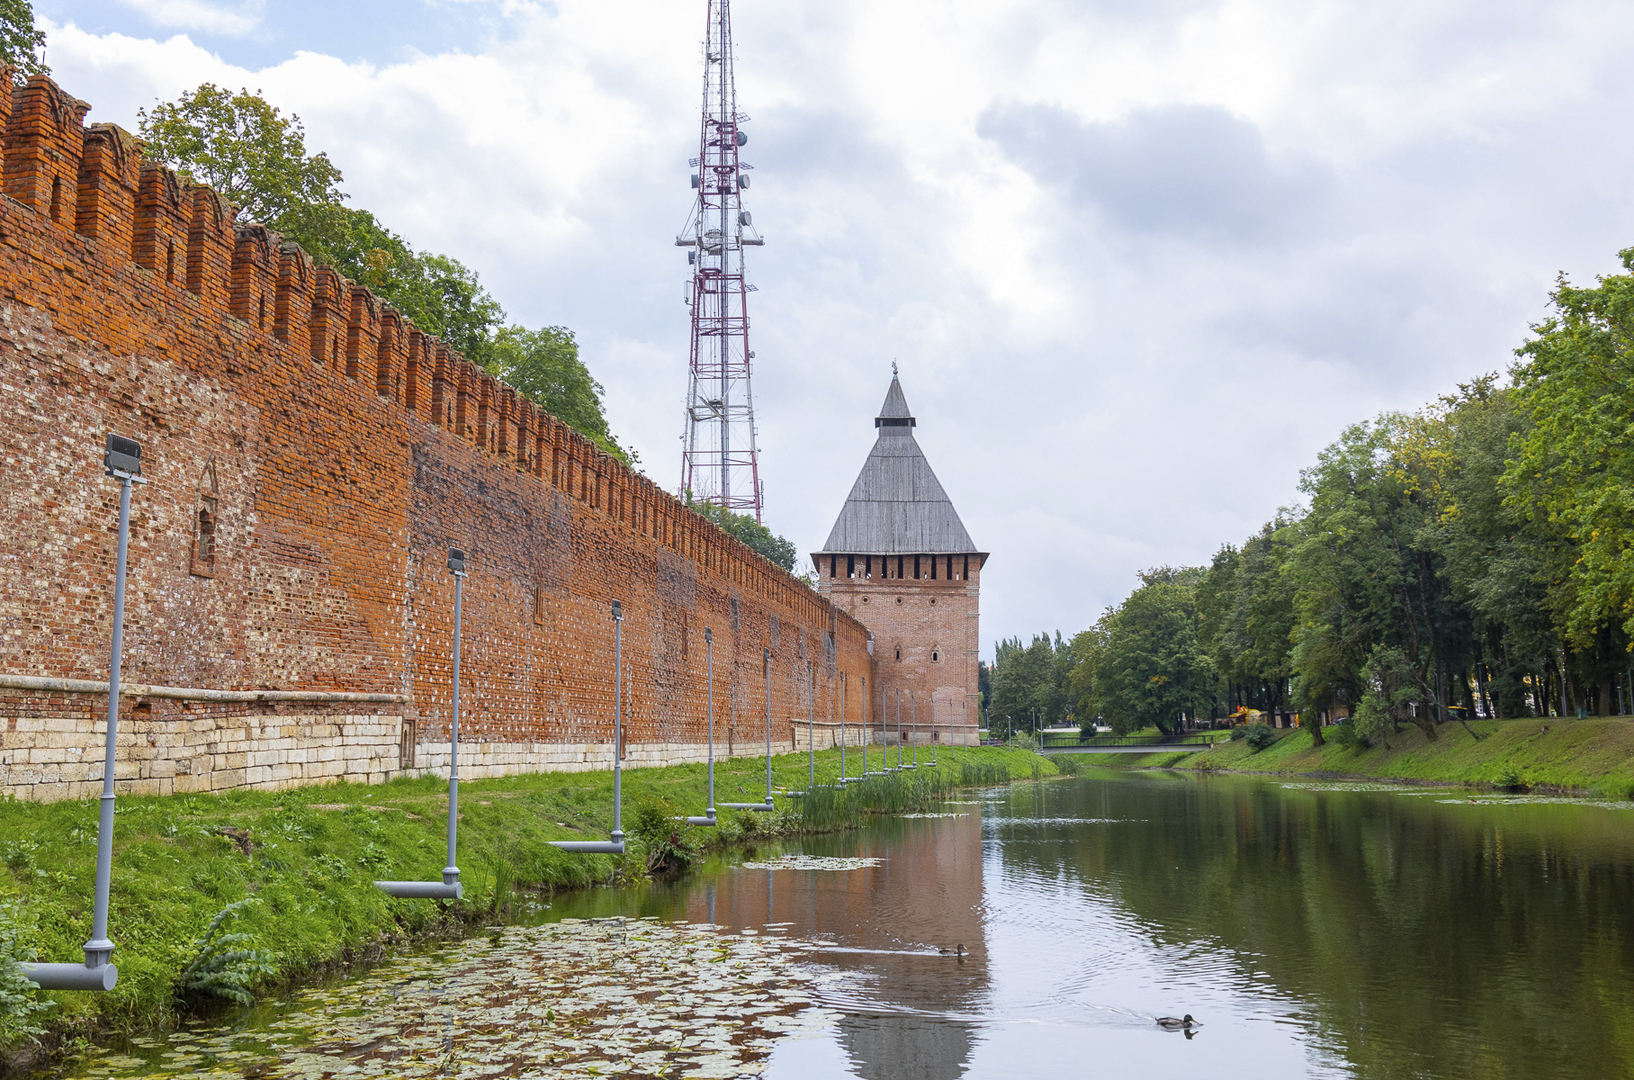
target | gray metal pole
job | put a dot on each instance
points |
(99, 950)
(913, 719)
(618, 724)
(614, 846)
(899, 729)
(709, 644)
(842, 730)
(451, 872)
(768, 653)
(811, 726)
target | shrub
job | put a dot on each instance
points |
(1260, 736)
(1346, 733)
(668, 849)
(1238, 733)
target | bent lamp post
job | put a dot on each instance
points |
(122, 460)
(766, 655)
(614, 845)
(708, 817)
(449, 888)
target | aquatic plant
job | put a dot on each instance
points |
(1066, 764)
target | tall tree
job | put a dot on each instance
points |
(1152, 671)
(244, 148)
(1573, 465)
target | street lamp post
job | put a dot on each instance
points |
(615, 844)
(768, 805)
(449, 888)
(708, 816)
(122, 460)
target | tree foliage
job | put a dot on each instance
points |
(1474, 556)
(247, 150)
(745, 528)
(256, 157)
(22, 44)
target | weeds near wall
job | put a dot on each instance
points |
(22, 1007)
(220, 969)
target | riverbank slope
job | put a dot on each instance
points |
(305, 861)
(1593, 755)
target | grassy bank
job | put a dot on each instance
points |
(1594, 755)
(300, 864)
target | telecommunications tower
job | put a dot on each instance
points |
(719, 463)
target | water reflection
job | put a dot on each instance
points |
(1315, 930)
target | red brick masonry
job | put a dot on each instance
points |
(313, 455)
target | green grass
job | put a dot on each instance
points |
(1594, 755)
(307, 858)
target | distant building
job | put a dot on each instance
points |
(900, 561)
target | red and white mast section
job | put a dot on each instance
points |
(719, 462)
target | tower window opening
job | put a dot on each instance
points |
(261, 314)
(868, 568)
(899, 654)
(934, 656)
(850, 566)
(56, 198)
(899, 568)
(967, 568)
(933, 567)
(833, 566)
(916, 575)
(170, 263)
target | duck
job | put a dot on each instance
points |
(1169, 1023)
(958, 950)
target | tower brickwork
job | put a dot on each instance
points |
(900, 561)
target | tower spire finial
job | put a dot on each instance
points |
(893, 369)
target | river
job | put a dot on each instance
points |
(1313, 929)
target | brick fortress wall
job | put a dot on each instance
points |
(312, 455)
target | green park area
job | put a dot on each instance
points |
(1592, 756)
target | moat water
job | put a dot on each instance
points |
(1313, 929)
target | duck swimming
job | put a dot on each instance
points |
(1169, 1023)
(958, 951)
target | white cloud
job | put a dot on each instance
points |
(203, 16)
(1139, 261)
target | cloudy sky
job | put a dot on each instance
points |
(1139, 260)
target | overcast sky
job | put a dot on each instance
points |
(1139, 260)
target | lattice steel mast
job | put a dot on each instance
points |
(719, 461)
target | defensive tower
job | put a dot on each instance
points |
(719, 460)
(900, 561)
